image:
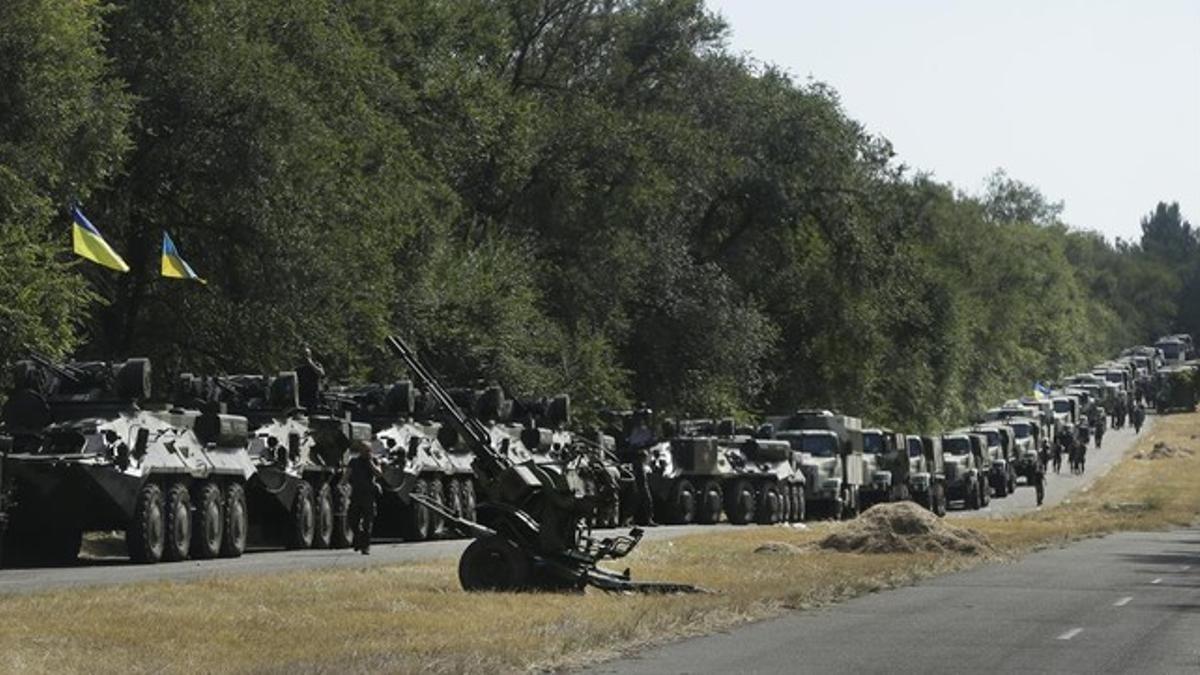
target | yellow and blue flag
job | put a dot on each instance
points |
(1040, 391)
(91, 245)
(173, 265)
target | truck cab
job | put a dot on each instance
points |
(927, 472)
(831, 447)
(966, 475)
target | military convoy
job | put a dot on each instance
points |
(234, 459)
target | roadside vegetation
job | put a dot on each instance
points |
(413, 617)
(586, 196)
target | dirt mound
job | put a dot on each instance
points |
(1163, 451)
(778, 548)
(904, 527)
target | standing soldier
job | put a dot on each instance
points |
(637, 448)
(309, 375)
(1039, 471)
(1139, 418)
(1100, 434)
(362, 471)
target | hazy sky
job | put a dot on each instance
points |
(1095, 102)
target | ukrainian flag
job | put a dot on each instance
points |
(89, 244)
(173, 265)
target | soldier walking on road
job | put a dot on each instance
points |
(362, 472)
(1099, 436)
(1039, 471)
(637, 448)
(1139, 418)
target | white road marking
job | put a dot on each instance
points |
(1070, 634)
(1157, 581)
(1123, 601)
(1185, 568)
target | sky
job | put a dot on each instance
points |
(1096, 102)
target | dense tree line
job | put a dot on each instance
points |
(594, 196)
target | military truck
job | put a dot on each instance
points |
(967, 467)
(298, 492)
(710, 467)
(90, 454)
(1176, 388)
(831, 449)
(885, 467)
(1027, 436)
(927, 472)
(1173, 348)
(998, 442)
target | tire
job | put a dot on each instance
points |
(208, 527)
(452, 496)
(493, 563)
(283, 392)
(985, 494)
(708, 506)
(436, 527)
(769, 504)
(414, 519)
(304, 521)
(942, 503)
(972, 501)
(801, 510)
(1002, 489)
(237, 522)
(838, 510)
(177, 523)
(681, 510)
(558, 410)
(401, 399)
(851, 509)
(343, 534)
(789, 502)
(323, 512)
(1012, 483)
(133, 380)
(739, 502)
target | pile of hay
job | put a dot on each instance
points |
(1163, 451)
(904, 527)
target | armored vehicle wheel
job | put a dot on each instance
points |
(708, 505)
(177, 519)
(468, 490)
(237, 522)
(739, 502)
(209, 526)
(133, 380)
(145, 533)
(451, 495)
(494, 564)
(681, 509)
(801, 512)
(304, 522)
(343, 534)
(436, 527)
(770, 504)
(414, 519)
(323, 532)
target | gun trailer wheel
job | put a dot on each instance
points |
(494, 563)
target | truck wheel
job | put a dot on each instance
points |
(850, 510)
(1012, 483)
(493, 563)
(973, 496)
(209, 522)
(789, 503)
(800, 513)
(133, 380)
(177, 517)
(708, 506)
(436, 527)
(739, 502)
(770, 504)
(343, 534)
(985, 494)
(682, 507)
(237, 522)
(468, 491)
(838, 509)
(941, 504)
(304, 522)
(323, 531)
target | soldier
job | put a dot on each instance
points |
(309, 375)
(637, 448)
(1099, 434)
(362, 471)
(1080, 447)
(1039, 471)
(1139, 418)
(1119, 413)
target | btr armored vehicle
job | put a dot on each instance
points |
(87, 456)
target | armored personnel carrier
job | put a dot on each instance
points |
(89, 454)
(831, 452)
(297, 494)
(711, 467)
(927, 473)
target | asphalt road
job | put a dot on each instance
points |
(1059, 486)
(1128, 603)
(117, 570)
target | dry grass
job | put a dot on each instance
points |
(412, 617)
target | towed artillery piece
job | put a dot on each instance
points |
(298, 493)
(86, 456)
(531, 530)
(710, 467)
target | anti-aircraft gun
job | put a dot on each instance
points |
(532, 528)
(89, 454)
(298, 493)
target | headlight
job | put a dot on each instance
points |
(883, 477)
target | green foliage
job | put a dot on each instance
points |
(591, 196)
